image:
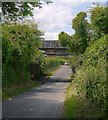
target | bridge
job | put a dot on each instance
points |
(53, 47)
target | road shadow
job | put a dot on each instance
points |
(53, 79)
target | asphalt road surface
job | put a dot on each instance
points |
(45, 101)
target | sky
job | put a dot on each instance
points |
(57, 16)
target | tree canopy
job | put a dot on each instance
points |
(80, 25)
(18, 10)
(99, 19)
(64, 39)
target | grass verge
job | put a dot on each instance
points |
(51, 70)
(71, 104)
(54, 69)
(8, 92)
(77, 106)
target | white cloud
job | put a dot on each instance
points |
(53, 18)
(57, 16)
(51, 36)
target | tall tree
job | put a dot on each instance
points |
(99, 19)
(80, 25)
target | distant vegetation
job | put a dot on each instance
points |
(51, 63)
(89, 47)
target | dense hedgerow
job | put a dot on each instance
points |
(90, 79)
(20, 48)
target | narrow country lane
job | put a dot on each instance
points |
(45, 101)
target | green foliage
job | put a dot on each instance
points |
(64, 39)
(99, 19)
(91, 39)
(71, 107)
(50, 64)
(96, 53)
(77, 106)
(90, 79)
(76, 60)
(21, 43)
(79, 23)
(79, 39)
(18, 10)
(8, 92)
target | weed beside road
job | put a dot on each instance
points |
(77, 106)
(14, 90)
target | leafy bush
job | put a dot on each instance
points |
(21, 43)
(90, 79)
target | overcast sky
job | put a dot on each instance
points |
(57, 16)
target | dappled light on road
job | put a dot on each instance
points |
(45, 101)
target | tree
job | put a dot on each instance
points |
(99, 19)
(18, 10)
(79, 23)
(79, 39)
(64, 39)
